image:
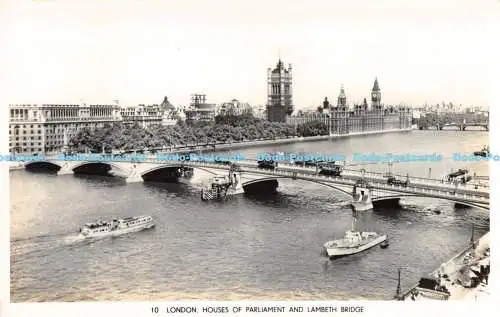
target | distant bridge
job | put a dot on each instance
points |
(460, 121)
(475, 195)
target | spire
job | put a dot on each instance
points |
(280, 64)
(375, 85)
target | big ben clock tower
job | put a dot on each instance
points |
(376, 97)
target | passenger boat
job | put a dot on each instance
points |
(116, 226)
(353, 242)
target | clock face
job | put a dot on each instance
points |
(374, 95)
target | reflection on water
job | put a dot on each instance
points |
(247, 247)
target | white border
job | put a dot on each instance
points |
(144, 308)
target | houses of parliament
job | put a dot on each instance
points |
(340, 118)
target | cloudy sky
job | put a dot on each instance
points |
(139, 51)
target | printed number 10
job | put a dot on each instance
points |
(154, 310)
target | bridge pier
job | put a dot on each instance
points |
(362, 197)
(66, 169)
(134, 179)
(236, 183)
(133, 175)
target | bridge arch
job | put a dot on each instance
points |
(89, 163)
(424, 196)
(34, 163)
(299, 178)
(156, 168)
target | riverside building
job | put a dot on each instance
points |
(199, 109)
(279, 92)
(146, 116)
(47, 128)
(342, 119)
(234, 108)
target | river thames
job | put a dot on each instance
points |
(246, 247)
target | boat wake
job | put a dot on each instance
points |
(46, 243)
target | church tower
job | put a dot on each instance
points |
(279, 92)
(376, 97)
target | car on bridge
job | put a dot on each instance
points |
(392, 180)
(267, 164)
(330, 169)
(221, 160)
(459, 176)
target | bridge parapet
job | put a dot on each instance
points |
(133, 172)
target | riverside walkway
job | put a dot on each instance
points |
(457, 274)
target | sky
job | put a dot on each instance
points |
(140, 51)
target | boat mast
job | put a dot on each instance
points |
(472, 236)
(398, 289)
(354, 219)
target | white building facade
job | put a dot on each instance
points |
(47, 128)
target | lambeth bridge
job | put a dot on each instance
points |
(473, 194)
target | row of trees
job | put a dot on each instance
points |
(225, 129)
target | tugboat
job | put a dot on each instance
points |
(361, 196)
(116, 226)
(485, 151)
(353, 242)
